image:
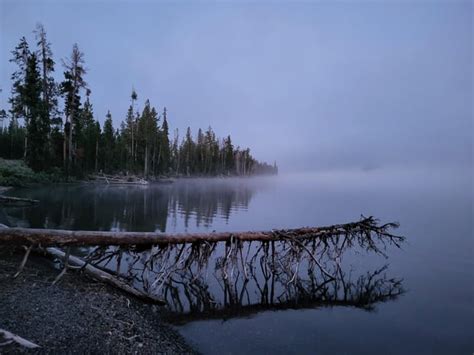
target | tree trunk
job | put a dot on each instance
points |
(153, 162)
(132, 151)
(70, 138)
(26, 144)
(45, 77)
(177, 163)
(25, 236)
(64, 145)
(158, 159)
(96, 154)
(145, 169)
(25, 147)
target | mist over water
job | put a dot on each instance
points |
(434, 207)
(366, 108)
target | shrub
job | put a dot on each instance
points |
(17, 173)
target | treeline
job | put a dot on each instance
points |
(52, 125)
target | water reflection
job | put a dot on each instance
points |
(214, 280)
(364, 292)
(435, 211)
(210, 280)
(185, 204)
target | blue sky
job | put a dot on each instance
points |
(313, 85)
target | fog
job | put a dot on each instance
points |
(314, 86)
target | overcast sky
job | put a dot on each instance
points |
(312, 85)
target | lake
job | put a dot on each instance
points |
(430, 309)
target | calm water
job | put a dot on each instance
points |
(433, 314)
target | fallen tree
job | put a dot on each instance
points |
(53, 237)
(154, 261)
(74, 262)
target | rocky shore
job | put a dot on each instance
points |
(77, 315)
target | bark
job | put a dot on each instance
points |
(49, 237)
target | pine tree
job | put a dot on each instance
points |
(108, 140)
(140, 144)
(21, 53)
(165, 161)
(200, 152)
(175, 157)
(89, 138)
(129, 135)
(71, 86)
(38, 122)
(131, 128)
(147, 130)
(17, 137)
(228, 156)
(45, 57)
(209, 142)
(187, 152)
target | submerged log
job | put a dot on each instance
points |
(55, 237)
(9, 199)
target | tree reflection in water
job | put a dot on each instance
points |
(233, 279)
(158, 207)
(213, 280)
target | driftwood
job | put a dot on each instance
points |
(9, 200)
(101, 275)
(120, 180)
(9, 338)
(53, 237)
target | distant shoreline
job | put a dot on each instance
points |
(15, 173)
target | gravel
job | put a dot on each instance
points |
(77, 315)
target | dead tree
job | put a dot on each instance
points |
(286, 266)
(366, 228)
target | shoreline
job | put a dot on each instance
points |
(77, 315)
(15, 173)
